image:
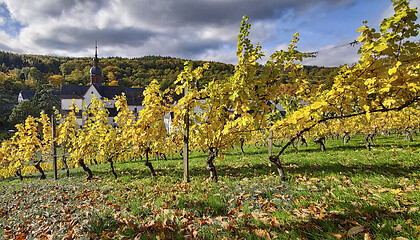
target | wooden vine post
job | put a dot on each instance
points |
(271, 134)
(186, 139)
(270, 143)
(53, 147)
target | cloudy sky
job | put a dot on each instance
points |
(190, 29)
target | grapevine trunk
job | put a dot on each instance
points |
(66, 167)
(86, 169)
(149, 165)
(19, 173)
(321, 141)
(41, 171)
(242, 146)
(275, 159)
(210, 166)
(111, 164)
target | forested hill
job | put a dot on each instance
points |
(22, 71)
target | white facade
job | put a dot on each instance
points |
(67, 103)
(136, 108)
(167, 120)
(83, 102)
(20, 97)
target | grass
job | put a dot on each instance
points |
(346, 192)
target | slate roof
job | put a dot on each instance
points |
(73, 91)
(134, 95)
(109, 92)
(27, 94)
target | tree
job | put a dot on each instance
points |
(114, 83)
(45, 99)
(111, 77)
(28, 148)
(75, 77)
(215, 127)
(26, 145)
(67, 132)
(7, 103)
(24, 109)
(56, 80)
(34, 77)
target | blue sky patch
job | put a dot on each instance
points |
(7, 23)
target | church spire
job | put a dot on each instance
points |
(95, 71)
(96, 52)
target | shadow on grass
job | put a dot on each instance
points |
(389, 170)
(347, 147)
(262, 169)
(139, 171)
(372, 220)
(329, 148)
(136, 169)
(247, 153)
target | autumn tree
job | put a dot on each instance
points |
(56, 80)
(75, 77)
(214, 127)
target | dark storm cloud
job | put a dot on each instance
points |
(187, 47)
(184, 12)
(193, 29)
(126, 37)
(25, 10)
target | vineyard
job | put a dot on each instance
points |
(346, 192)
(373, 102)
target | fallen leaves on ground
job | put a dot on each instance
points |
(259, 208)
